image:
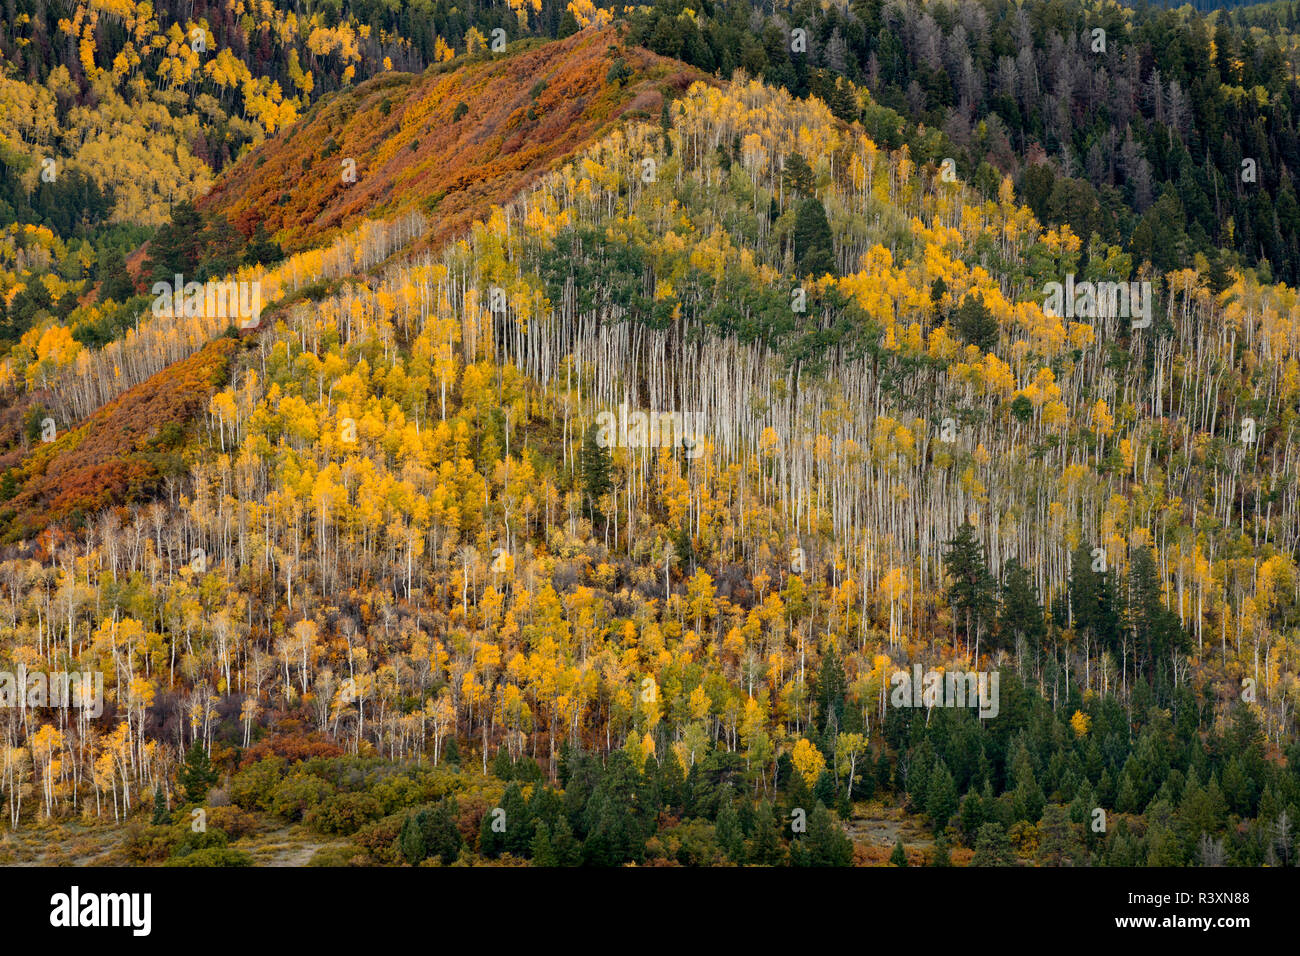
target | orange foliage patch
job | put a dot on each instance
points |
(412, 152)
(113, 457)
(292, 747)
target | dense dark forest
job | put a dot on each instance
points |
(1169, 134)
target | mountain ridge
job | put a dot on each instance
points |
(404, 130)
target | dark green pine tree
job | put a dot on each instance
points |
(596, 465)
(938, 289)
(431, 831)
(613, 817)
(825, 789)
(518, 835)
(672, 782)
(521, 826)
(1124, 849)
(411, 838)
(261, 248)
(1059, 842)
(941, 797)
(1088, 598)
(176, 248)
(825, 843)
(568, 852)
(196, 774)
(884, 771)
(160, 814)
(665, 126)
(1027, 800)
(546, 806)
(971, 590)
(842, 101)
(831, 687)
(730, 836)
(940, 856)
(491, 842)
(1156, 629)
(1021, 617)
(992, 847)
(797, 176)
(114, 278)
(972, 815)
(814, 249)
(766, 846)
(619, 72)
(503, 768)
(441, 834)
(975, 324)
(543, 854)
(899, 856)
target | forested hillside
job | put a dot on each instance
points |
(1133, 124)
(449, 142)
(602, 454)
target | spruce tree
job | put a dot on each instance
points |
(502, 766)
(411, 838)
(992, 848)
(176, 248)
(884, 771)
(972, 815)
(825, 843)
(767, 847)
(542, 852)
(831, 687)
(160, 814)
(971, 590)
(975, 324)
(441, 834)
(814, 248)
(1021, 617)
(727, 829)
(899, 856)
(941, 796)
(196, 774)
(797, 175)
(567, 850)
(596, 465)
(940, 856)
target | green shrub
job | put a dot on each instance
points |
(252, 787)
(294, 796)
(431, 832)
(213, 838)
(343, 813)
(235, 822)
(348, 855)
(415, 788)
(379, 839)
(150, 844)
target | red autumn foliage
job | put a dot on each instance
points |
(418, 154)
(114, 457)
(292, 747)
